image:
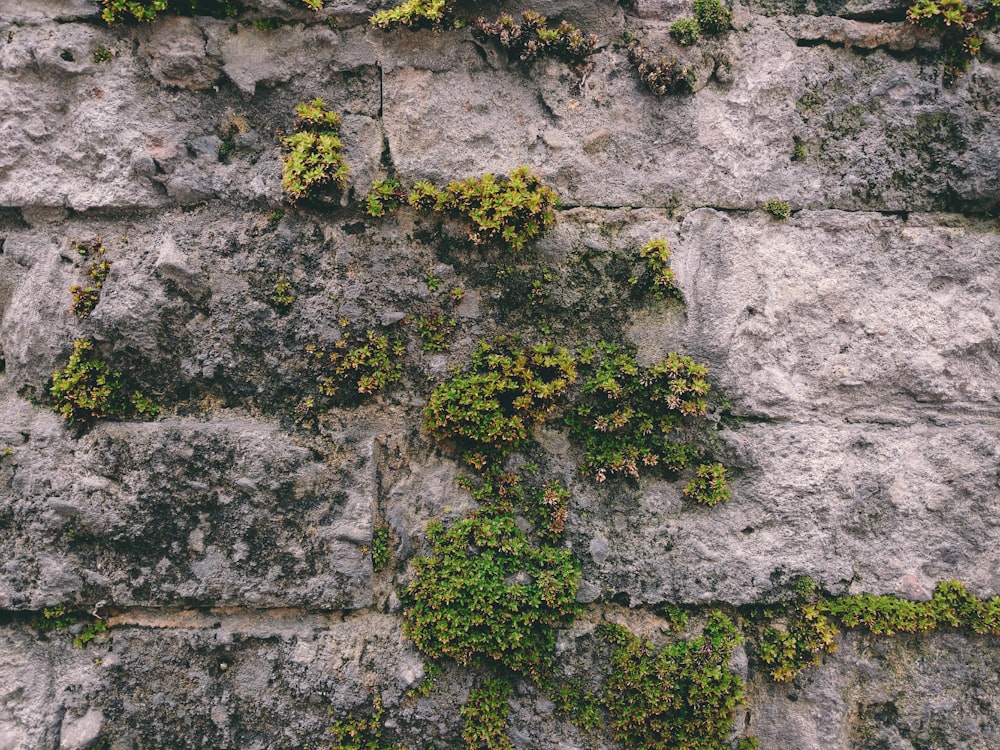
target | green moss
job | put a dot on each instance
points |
(656, 278)
(486, 596)
(87, 389)
(282, 297)
(434, 330)
(682, 697)
(779, 209)
(361, 733)
(631, 416)
(686, 31)
(709, 486)
(532, 38)
(85, 298)
(507, 210)
(812, 628)
(414, 14)
(712, 16)
(313, 156)
(380, 547)
(485, 715)
(491, 409)
(385, 195)
(357, 364)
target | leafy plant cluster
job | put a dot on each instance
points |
(959, 26)
(313, 157)
(812, 629)
(385, 195)
(85, 298)
(631, 416)
(61, 617)
(116, 11)
(361, 733)
(710, 17)
(682, 697)
(660, 75)
(505, 492)
(283, 295)
(380, 547)
(485, 715)
(532, 38)
(491, 409)
(779, 209)
(656, 278)
(414, 14)
(486, 596)
(358, 364)
(87, 389)
(509, 210)
(434, 330)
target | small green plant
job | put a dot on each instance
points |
(660, 75)
(87, 389)
(434, 330)
(380, 547)
(282, 297)
(709, 486)
(812, 628)
(682, 697)
(433, 282)
(510, 210)
(90, 631)
(354, 733)
(656, 278)
(141, 10)
(798, 149)
(630, 416)
(686, 31)
(385, 195)
(361, 363)
(492, 408)
(313, 4)
(533, 39)
(55, 618)
(457, 294)
(422, 689)
(780, 210)
(313, 155)
(85, 299)
(102, 54)
(486, 596)
(414, 14)
(712, 16)
(959, 27)
(485, 715)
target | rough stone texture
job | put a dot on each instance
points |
(856, 347)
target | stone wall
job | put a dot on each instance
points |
(853, 349)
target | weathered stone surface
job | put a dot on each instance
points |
(854, 348)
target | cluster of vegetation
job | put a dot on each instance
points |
(779, 209)
(87, 389)
(85, 298)
(60, 618)
(361, 733)
(660, 75)
(282, 297)
(380, 546)
(313, 157)
(656, 278)
(710, 17)
(510, 210)
(709, 485)
(631, 416)
(116, 11)
(681, 697)
(811, 629)
(414, 14)
(485, 715)
(490, 409)
(385, 195)
(434, 330)
(487, 596)
(959, 26)
(357, 364)
(532, 38)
